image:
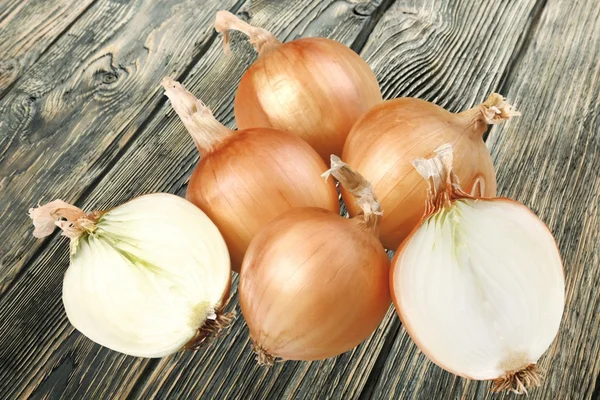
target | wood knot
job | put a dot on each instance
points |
(106, 77)
(364, 9)
(245, 14)
(106, 72)
(109, 78)
(9, 65)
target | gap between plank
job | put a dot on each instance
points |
(140, 382)
(50, 45)
(375, 374)
(523, 46)
(365, 32)
(90, 188)
(596, 392)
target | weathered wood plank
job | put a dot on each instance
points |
(63, 123)
(548, 159)
(221, 375)
(162, 159)
(73, 362)
(76, 108)
(450, 53)
(28, 29)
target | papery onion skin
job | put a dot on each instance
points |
(479, 286)
(313, 285)
(246, 178)
(145, 277)
(315, 88)
(384, 141)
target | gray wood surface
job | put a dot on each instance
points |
(95, 88)
(28, 30)
(75, 110)
(548, 159)
(84, 119)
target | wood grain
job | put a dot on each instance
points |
(78, 106)
(28, 29)
(557, 86)
(63, 124)
(453, 54)
(548, 159)
(37, 339)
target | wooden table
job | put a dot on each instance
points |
(84, 119)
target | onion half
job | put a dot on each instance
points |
(146, 278)
(479, 284)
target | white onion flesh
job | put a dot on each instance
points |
(148, 277)
(480, 287)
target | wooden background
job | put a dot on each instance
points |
(83, 119)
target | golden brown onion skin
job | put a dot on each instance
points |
(252, 177)
(315, 88)
(313, 285)
(383, 143)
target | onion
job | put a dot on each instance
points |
(146, 278)
(314, 284)
(384, 141)
(479, 284)
(315, 88)
(246, 178)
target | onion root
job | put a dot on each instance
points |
(263, 357)
(211, 330)
(519, 381)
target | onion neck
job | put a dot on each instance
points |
(443, 184)
(362, 190)
(205, 130)
(493, 111)
(72, 220)
(261, 39)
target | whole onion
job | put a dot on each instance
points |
(315, 88)
(384, 141)
(314, 284)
